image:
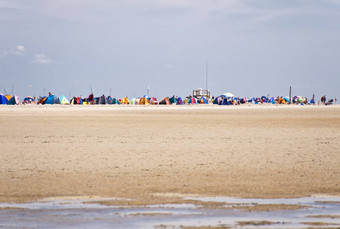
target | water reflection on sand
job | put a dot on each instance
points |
(320, 211)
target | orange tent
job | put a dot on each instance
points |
(144, 101)
(125, 101)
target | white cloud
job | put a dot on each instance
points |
(41, 58)
(19, 50)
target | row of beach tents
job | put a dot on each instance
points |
(225, 99)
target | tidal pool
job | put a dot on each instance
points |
(320, 211)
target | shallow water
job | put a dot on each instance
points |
(80, 213)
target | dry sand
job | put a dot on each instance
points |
(134, 152)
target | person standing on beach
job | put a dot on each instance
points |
(335, 101)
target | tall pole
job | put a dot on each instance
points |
(206, 76)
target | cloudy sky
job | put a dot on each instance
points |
(252, 47)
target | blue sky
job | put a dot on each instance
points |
(252, 47)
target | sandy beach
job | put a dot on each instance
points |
(148, 153)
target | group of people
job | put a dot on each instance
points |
(329, 102)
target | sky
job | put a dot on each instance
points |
(120, 48)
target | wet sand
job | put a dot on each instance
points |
(135, 152)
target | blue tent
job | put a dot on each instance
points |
(3, 99)
(272, 100)
(223, 101)
(52, 99)
(203, 101)
(173, 100)
(180, 101)
(115, 101)
(264, 98)
(14, 100)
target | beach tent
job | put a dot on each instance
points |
(217, 100)
(243, 100)
(115, 101)
(165, 101)
(272, 100)
(109, 99)
(282, 101)
(28, 100)
(77, 100)
(264, 99)
(144, 101)
(52, 99)
(203, 101)
(63, 100)
(103, 100)
(179, 101)
(42, 100)
(132, 101)
(286, 99)
(14, 100)
(154, 101)
(224, 101)
(3, 99)
(173, 100)
(125, 101)
(192, 101)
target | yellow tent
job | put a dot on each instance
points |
(125, 101)
(144, 101)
